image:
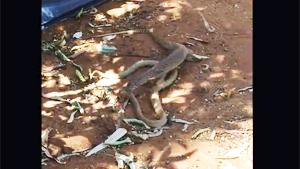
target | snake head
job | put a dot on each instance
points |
(123, 94)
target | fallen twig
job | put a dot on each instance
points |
(206, 24)
(98, 26)
(197, 39)
(116, 33)
(242, 90)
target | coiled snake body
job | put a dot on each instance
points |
(178, 54)
(155, 100)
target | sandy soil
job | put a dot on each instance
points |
(191, 97)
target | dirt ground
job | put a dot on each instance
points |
(208, 96)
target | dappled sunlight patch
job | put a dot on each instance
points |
(49, 83)
(173, 100)
(58, 135)
(247, 109)
(61, 94)
(88, 119)
(179, 92)
(216, 69)
(60, 28)
(100, 17)
(236, 74)
(121, 68)
(162, 18)
(51, 103)
(77, 143)
(69, 108)
(125, 8)
(185, 3)
(173, 7)
(205, 84)
(90, 99)
(177, 149)
(216, 75)
(115, 60)
(88, 129)
(48, 114)
(220, 58)
(110, 78)
(193, 100)
(88, 109)
(200, 8)
(198, 112)
(63, 80)
(175, 96)
(63, 118)
(186, 85)
(80, 43)
(99, 105)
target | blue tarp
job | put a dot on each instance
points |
(53, 10)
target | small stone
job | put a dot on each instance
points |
(77, 35)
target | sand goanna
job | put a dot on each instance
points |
(178, 54)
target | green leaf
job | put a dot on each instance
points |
(79, 14)
(79, 75)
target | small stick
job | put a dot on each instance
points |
(206, 24)
(115, 33)
(197, 39)
(98, 26)
(131, 55)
